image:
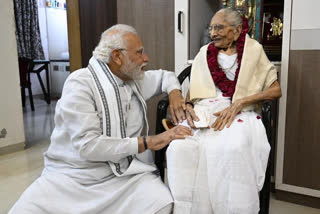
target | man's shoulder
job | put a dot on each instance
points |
(78, 78)
(82, 72)
(80, 75)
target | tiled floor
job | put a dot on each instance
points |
(38, 124)
(18, 170)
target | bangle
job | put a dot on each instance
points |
(145, 143)
(190, 103)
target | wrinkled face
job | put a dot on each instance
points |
(134, 59)
(222, 33)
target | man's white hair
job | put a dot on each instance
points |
(112, 38)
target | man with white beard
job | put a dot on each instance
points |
(97, 161)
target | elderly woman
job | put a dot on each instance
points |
(220, 169)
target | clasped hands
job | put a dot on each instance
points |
(181, 111)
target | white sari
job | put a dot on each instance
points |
(219, 172)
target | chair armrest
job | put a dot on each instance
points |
(267, 108)
(267, 119)
(161, 114)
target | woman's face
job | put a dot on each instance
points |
(222, 33)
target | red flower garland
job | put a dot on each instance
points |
(219, 77)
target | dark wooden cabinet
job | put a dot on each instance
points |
(95, 17)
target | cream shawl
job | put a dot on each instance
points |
(256, 74)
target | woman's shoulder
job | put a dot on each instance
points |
(205, 47)
(252, 43)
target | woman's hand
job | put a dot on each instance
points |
(159, 141)
(177, 106)
(191, 115)
(226, 116)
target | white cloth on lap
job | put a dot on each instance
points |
(219, 171)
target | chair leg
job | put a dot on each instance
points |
(23, 97)
(42, 87)
(159, 161)
(48, 84)
(31, 97)
(265, 193)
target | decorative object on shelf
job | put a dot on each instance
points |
(272, 29)
(265, 19)
(277, 27)
(58, 4)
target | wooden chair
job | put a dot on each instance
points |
(266, 119)
(37, 66)
(28, 66)
(25, 83)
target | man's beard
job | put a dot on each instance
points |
(131, 70)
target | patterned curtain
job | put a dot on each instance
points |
(27, 29)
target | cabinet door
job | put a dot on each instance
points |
(95, 17)
(87, 19)
(153, 19)
(298, 169)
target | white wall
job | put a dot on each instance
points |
(305, 14)
(54, 40)
(57, 33)
(43, 26)
(10, 99)
(201, 13)
(305, 30)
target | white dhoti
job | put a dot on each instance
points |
(219, 172)
(57, 193)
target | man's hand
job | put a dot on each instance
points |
(191, 115)
(177, 106)
(159, 141)
(226, 116)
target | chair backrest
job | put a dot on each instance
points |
(24, 65)
(184, 74)
(182, 77)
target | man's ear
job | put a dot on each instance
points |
(116, 57)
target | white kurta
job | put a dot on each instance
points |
(77, 177)
(219, 172)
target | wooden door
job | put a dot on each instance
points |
(87, 19)
(95, 17)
